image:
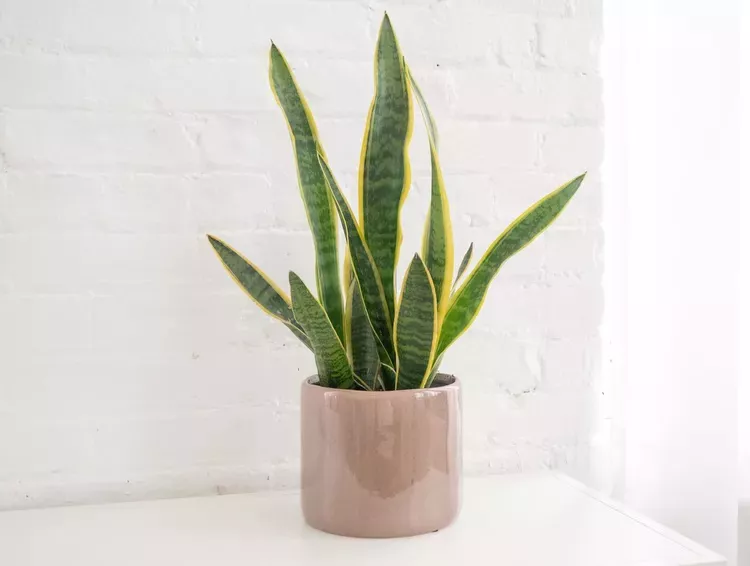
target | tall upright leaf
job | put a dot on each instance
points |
(315, 195)
(468, 298)
(437, 241)
(361, 344)
(258, 287)
(384, 168)
(330, 357)
(416, 327)
(365, 271)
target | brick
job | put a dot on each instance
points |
(234, 27)
(493, 92)
(86, 82)
(573, 251)
(212, 85)
(570, 363)
(570, 307)
(437, 35)
(111, 203)
(572, 150)
(498, 363)
(91, 26)
(84, 264)
(335, 88)
(570, 96)
(80, 141)
(230, 322)
(240, 201)
(592, 9)
(569, 44)
(258, 142)
(37, 325)
(480, 146)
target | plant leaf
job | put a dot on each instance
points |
(365, 271)
(361, 344)
(467, 300)
(464, 263)
(416, 327)
(437, 241)
(384, 174)
(434, 370)
(330, 357)
(318, 204)
(258, 287)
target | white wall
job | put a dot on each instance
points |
(680, 98)
(131, 366)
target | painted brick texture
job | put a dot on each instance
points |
(130, 364)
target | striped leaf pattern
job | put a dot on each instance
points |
(318, 203)
(258, 287)
(437, 241)
(416, 327)
(467, 300)
(364, 269)
(384, 168)
(361, 335)
(361, 344)
(330, 357)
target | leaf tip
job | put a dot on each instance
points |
(213, 240)
(386, 25)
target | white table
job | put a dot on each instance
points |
(514, 520)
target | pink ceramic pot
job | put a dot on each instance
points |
(381, 464)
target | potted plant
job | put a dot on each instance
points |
(381, 446)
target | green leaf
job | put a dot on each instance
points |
(258, 287)
(467, 300)
(434, 370)
(318, 204)
(384, 168)
(361, 344)
(330, 357)
(437, 241)
(388, 375)
(416, 327)
(464, 263)
(365, 271)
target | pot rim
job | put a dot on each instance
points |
(453, 384)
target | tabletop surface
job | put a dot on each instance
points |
(541, 519)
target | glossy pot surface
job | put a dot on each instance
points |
(381, 464)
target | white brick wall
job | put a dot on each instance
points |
(131, 366)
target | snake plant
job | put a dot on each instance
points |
(363, 334)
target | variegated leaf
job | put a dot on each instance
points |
(416, 327)
(258, 287)
(468, 298)
(317, 201)
(365, 271)
(437, 241)
(384, 168)
(330, 357)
